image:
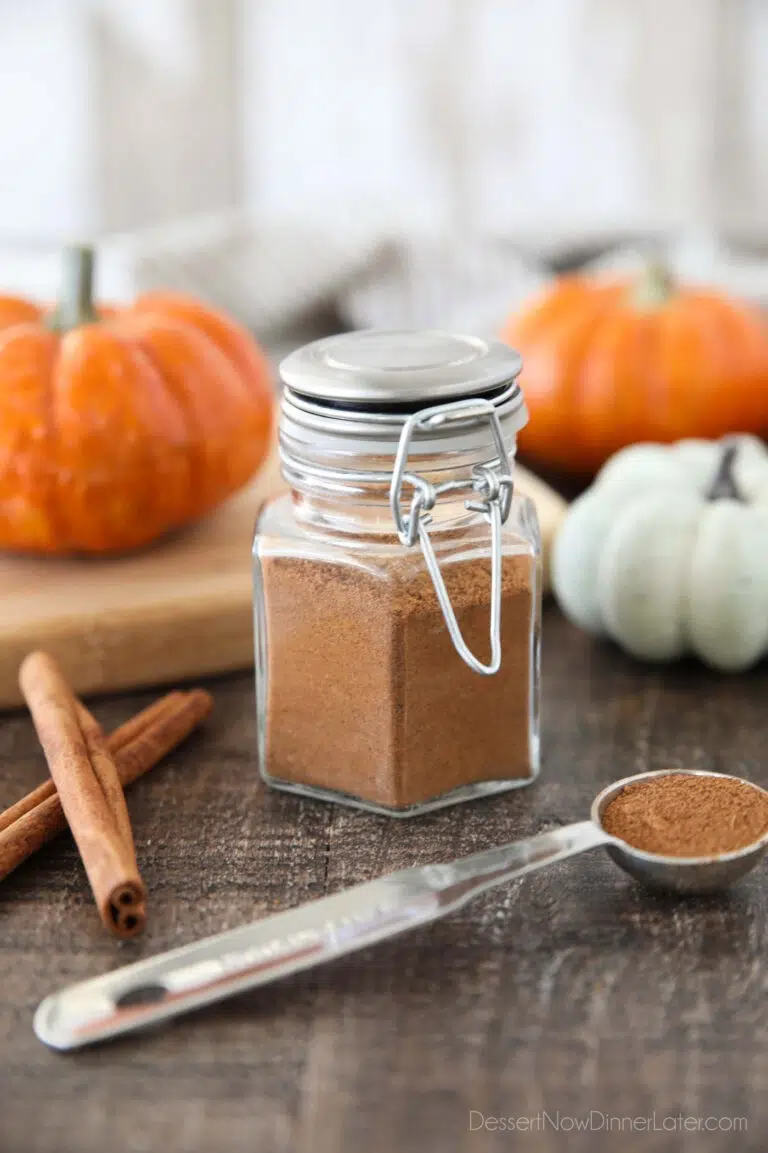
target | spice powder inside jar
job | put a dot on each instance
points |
(366, 693)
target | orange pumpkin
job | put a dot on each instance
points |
(120, 425)
(609, 364)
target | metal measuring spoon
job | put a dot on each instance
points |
(173, 983)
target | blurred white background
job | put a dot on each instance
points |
(542, 121)
(549, 124)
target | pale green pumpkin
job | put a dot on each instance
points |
(667, 552)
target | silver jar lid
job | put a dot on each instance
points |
(373, 367)
(354, 393)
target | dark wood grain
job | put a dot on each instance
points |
(571, 991)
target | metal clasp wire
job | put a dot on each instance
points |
(493, 498)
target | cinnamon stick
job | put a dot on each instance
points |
(164, 733)
(115, 741)
(151, 734)
(140, 722)
(109, 861)
(106, 774)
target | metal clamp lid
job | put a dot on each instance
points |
(376, 367)
(492, 496)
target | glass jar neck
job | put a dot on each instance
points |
(363, 508)
(363, 517)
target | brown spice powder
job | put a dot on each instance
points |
(366, 693)
(682, 816)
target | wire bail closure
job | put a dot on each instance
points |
(492, 497)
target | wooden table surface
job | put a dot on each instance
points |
(569, 992)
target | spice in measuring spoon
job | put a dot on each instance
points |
(688, 816)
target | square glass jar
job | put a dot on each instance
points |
(366, 693)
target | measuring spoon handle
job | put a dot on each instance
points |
(461, 880)
(209, 970)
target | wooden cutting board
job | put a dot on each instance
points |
(179, 610)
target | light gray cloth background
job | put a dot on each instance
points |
(292, 283)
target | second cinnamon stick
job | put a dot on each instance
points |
(138, 745)
(117, 740)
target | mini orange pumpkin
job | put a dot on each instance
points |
(120, 425)
(609, 364)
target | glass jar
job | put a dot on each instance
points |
(397, 590)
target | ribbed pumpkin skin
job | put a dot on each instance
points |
(117, 432)
(600, 372)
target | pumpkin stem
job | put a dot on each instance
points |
(724, 486)
(76, 306)
(655, 286)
